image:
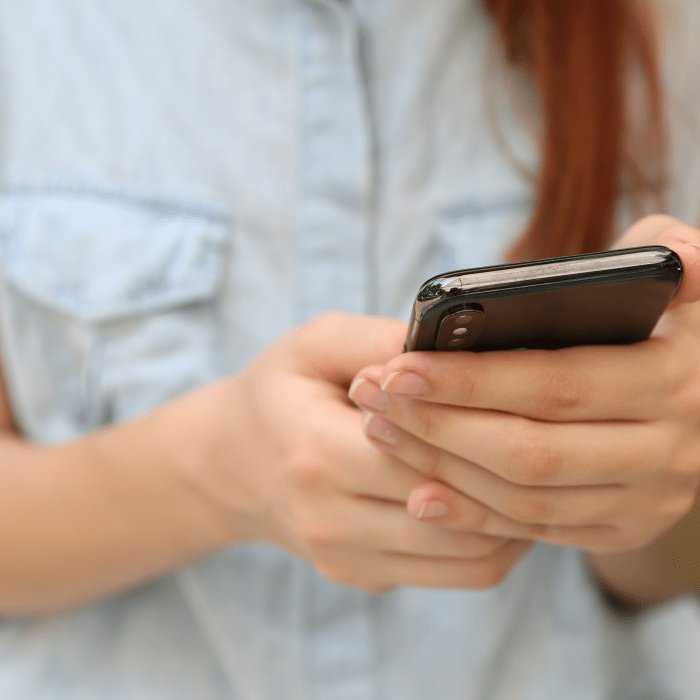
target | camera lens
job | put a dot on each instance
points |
(459, 329)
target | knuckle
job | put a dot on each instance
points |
(635, 539)
(672, 361)
(528, 508)
(308, 471)
(466, 381)
(314, 529)
(606, 539)
(532, 459)
(337, 573)
(308, 466)
(348, 572)
(684, 465)
(683, 400)
(432, 462)
(488, 574)
(307, 475)
(622, 539)
(429, 424)
(478, 516)
(676, 506)
(312, 533)
(561, 391)
(538, 531)
(482, 545)
(676, 359)
(469, 516)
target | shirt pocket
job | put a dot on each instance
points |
(109, 307)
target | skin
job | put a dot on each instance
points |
(594, 447)
(278, 453)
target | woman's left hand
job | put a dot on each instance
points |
(592, 447)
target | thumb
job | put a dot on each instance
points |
(679, 237)
(336, 346)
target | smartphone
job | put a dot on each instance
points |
(615, 297)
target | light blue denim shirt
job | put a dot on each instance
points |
(185, 180)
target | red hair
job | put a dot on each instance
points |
(582, 55)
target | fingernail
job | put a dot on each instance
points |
(432, 509)
(380, 428)
(405, 383)
(369, 396)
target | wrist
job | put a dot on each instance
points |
(637, 579)
(204, 439)
(665, 569)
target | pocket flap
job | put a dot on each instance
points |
(97, 258)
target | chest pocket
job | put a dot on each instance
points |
(109, 307)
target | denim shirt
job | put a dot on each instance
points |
(185, 180)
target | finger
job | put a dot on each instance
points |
(391, 476)
(535, 453)
(365, 389)
(679, 237)
(474, 491)
(343, 522)
(378, 571)
(326, 451)
(588, 537)
(344, 461)
(336, 456)
(336, 346)
(387, 527)
(571, 384)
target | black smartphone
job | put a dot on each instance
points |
(615, 297)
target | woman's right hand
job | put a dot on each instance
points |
(291, 455)
(275, 453)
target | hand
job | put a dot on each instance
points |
(290, 450)
(593, 447)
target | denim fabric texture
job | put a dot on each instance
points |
(185, 180)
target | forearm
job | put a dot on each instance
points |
(666, 569)
(106, 512)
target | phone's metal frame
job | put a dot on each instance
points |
(465, 289)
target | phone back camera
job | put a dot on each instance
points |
(459, 329)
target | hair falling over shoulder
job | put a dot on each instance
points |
(582, 56)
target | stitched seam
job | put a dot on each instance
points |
(165, 206)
